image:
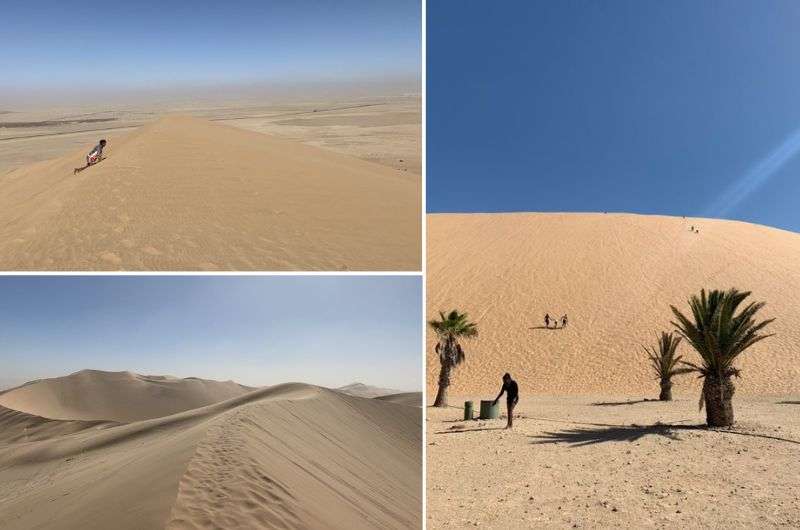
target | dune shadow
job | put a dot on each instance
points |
(580, 436)
(788, 402)
(456, 431)
(618, 403)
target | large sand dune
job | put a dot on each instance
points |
(186, 194)
(615, 276)
(116, 396)
(288, 456)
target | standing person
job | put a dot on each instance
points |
(547, 320)
(564, 321)
(94, 156)
(512, 397)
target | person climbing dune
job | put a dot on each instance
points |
(94, 156)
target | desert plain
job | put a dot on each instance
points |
(307, 184)
(99, 449)
(592, 446)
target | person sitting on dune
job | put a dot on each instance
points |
(511, 389)
(94, 156)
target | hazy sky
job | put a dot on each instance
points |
(58, 44)
(679, 107)
(255, 330)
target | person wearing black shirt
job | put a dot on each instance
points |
(512, 397)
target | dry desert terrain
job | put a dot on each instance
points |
(590, 448)
(121, 450)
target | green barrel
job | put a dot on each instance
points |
(489, 411)
(468, 410)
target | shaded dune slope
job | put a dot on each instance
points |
(615, 276)
(187, 194)
(289, 456)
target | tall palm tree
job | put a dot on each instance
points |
(719, 335)
(449, 329)
(665, 362)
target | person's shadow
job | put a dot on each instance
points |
(545, 327)
(87, 166)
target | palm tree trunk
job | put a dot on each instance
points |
(666, 390)
(444, 382)
(718, 394)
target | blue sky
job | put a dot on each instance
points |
(147, 43)
(255, 330)
(679, 107)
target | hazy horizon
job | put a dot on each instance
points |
(254, 330)
(66, 49)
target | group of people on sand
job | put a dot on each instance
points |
(548, 319)
(694, 229)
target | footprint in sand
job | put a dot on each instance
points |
(152, 251)
(110, 257)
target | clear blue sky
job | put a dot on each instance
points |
(255, 330)
(146, 43)
(647, 106)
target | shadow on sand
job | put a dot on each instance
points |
(788, 402)
(630, 433)
(618, 403)
(545, 327)
(457, 431)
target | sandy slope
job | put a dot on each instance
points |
(615, 276)
(411, 399)
(116, 396)
(188, 194)
(289, 456)
(367, 391)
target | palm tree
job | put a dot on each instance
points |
(449, 329)
(665, 363)
(719, 335)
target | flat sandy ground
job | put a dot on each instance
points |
(385, 130)
(603, 462)
(615, 277)
(155, 452)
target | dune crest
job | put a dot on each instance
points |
(188, 194)
(95, 395)
(292, 455)
(615, 276)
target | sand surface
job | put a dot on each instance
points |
(603, 462)
(368, 391)
(93, 395)
(615, 276)
(188, 194)
(288, 456)
(383, 129)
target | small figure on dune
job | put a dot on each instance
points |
(512, 397)
(94, 156)
(564, 321)
(692, 228)
(547, 320)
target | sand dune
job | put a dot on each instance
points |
(116, 396)
(367, 391)
(188, 194)
(411, 399)
(289, 456)
(615, 276)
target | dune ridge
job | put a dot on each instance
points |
(186, 194)
(615, 276)
(287, 456)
